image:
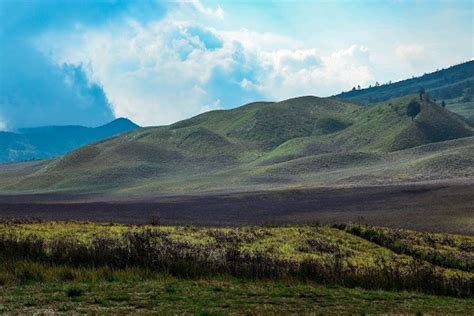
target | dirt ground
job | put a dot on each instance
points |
(445, 206)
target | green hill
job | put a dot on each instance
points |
(306, 141)
(454, 85)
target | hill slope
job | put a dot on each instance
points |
(306, 141)
(454, 85)
(51, 141)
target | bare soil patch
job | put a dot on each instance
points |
(432, 206)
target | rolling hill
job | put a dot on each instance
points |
(52, 141)
(454, 85)
(300, 142)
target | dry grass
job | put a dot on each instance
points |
(319, 253)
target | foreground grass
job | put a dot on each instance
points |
(139, 291)
(88, 267)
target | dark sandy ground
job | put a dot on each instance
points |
(444, 206)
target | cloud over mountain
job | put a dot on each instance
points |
(34, 90)
(162, 71)
(157, 62)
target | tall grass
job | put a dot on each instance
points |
(441, 250)
(155, 250)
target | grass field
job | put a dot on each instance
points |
(86, 267)
(135, 291)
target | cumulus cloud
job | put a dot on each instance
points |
(34, 90)
(157, 62)
(162, 71)
(169, 70)
(300, 72)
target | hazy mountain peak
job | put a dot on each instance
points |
(122, 121)
(51, 141)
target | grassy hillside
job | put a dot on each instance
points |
(303, 141)
(101, 268)
(445, 84)
(265, 125)
(465, 109)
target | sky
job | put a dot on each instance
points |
(156, 62)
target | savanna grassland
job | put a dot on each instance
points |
(300, 142)
(90, 267)
(292, 161)
(362, 157)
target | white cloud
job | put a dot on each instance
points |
(172, 69)
(217, 12)
(409, 52)
(154, 74)
(260, 40)
(302, 72)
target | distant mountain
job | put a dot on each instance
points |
(52, 141)
(306, 141)
(454, 85)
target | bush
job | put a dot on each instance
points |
(319, 245)
(74, 291)
(413, 108)
(154, 220)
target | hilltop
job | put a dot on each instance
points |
(305, 141)
(52, 141)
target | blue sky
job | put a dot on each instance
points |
(156, 62)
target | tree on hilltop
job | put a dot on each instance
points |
(413, 108)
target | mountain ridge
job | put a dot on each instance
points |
(453, 85)
(49, 141)
(432, 82)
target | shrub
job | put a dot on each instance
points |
(74, 291)
(413, 108)
(315, 244)
(154, 220)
